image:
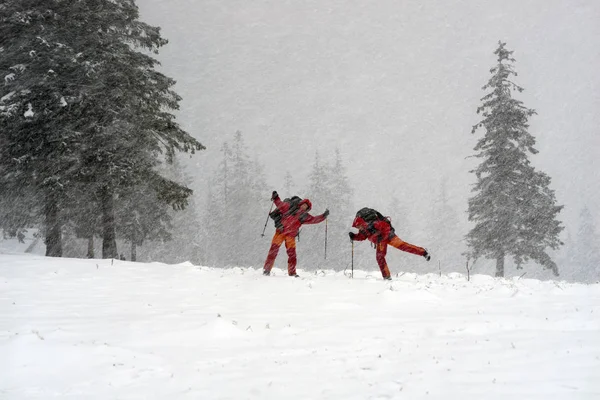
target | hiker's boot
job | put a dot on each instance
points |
(426, 255)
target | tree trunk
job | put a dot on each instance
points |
(109, 243)
(90, 252)
(133, 243)
(500, 265)
(53, 229)
(133, 251)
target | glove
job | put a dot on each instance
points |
(326, 213)
(274, 195)
(352, 235)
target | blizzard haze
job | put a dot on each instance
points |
(394, 85)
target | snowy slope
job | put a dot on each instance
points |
(96, 329)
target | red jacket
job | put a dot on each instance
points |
(376, 232)
(292, 222)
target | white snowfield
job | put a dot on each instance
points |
(98, 329)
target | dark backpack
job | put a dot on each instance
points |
(370, 216)
(277, 215)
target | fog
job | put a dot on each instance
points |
(394, 85)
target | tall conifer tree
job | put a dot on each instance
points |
(514, 209)
(83, 105)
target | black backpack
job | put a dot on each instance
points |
(370, 216)
(276, 215)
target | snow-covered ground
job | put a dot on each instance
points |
(102, 329)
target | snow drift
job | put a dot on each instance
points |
(99, 329)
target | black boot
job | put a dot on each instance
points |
(427, 255)
(266, 273)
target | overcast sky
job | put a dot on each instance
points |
(394, 84)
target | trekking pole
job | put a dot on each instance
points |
(267, 221)
(326, 238)
(352, 270)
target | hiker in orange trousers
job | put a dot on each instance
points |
(289, 216)
(374, 226)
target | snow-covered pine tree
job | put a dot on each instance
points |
(236, 207)
(328, 188)
(81, 105)
(214, 215)
(514, 209)
(135, 113)
(43, 80)
(341, 205)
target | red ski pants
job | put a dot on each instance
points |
(400, 245)
(290, 246)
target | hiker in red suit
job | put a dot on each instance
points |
(378, 229)
(291, 216)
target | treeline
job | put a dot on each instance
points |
(238, 204)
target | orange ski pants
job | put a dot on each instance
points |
(400, 245)
(290, 246)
